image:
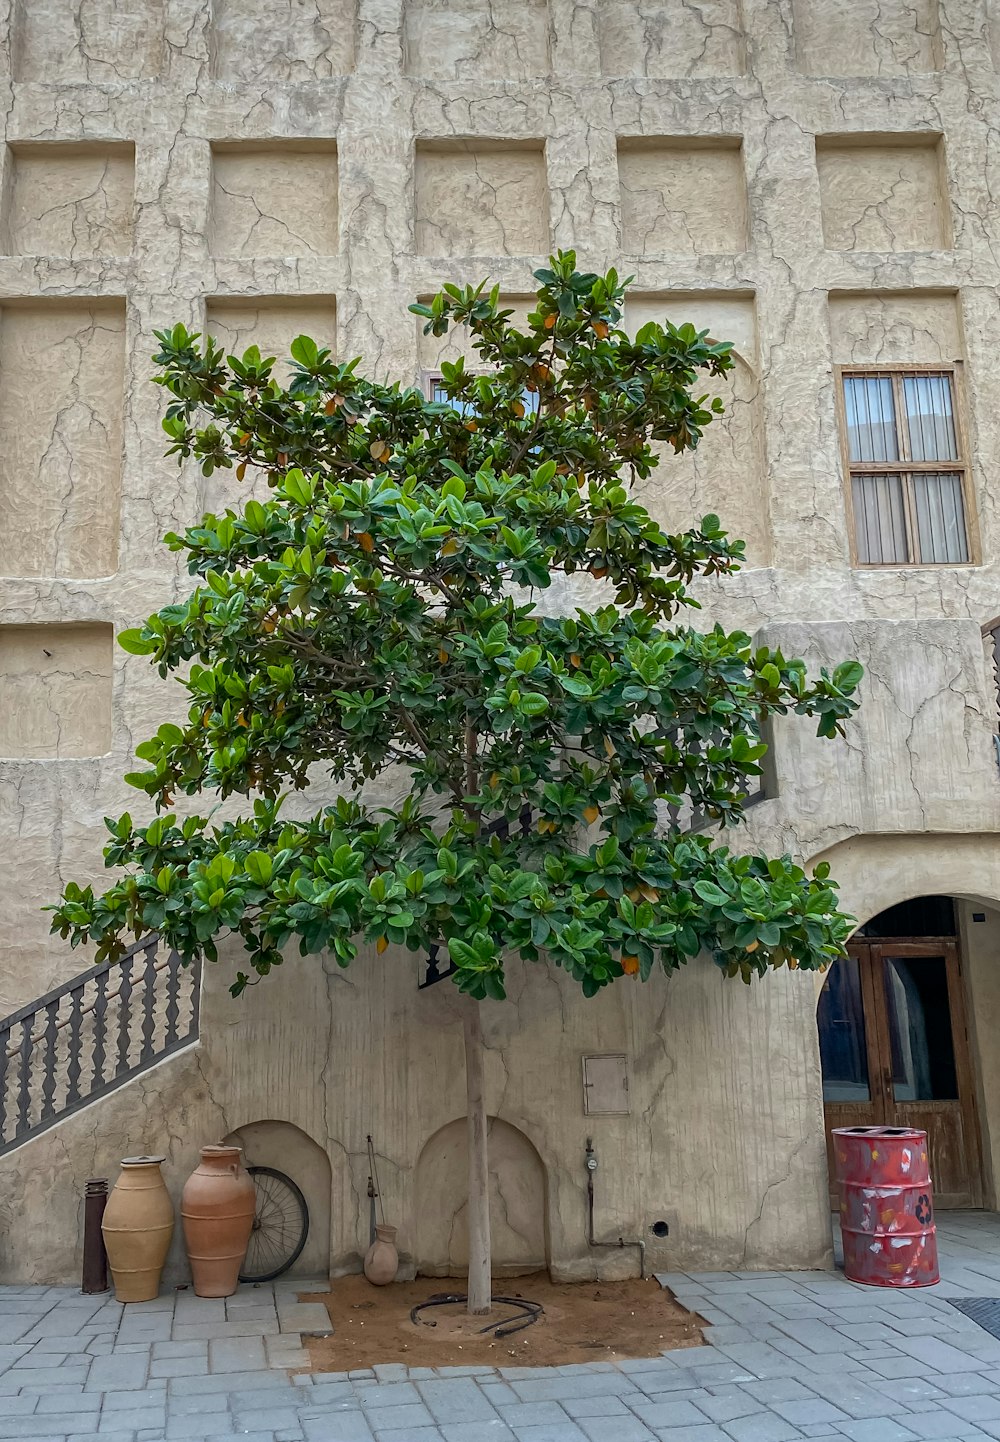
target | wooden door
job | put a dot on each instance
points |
(895, 1053)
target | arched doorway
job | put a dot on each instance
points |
(893, 1040)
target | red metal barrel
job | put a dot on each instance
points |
(886, 1207)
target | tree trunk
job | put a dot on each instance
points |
(480, 1280)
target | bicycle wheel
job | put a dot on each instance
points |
(280, 1226)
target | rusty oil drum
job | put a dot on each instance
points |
(886, 1206)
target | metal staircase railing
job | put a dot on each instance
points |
(92, 1035)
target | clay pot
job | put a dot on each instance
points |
(217, 1209)
(382, 1259)
(137, 1226)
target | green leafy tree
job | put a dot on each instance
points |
(464, 591)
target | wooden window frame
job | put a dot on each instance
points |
(906, 467)
(430, 378)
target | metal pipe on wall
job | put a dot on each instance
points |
(591, 1163)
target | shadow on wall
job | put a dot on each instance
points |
(518, 1203)
(288, 1149)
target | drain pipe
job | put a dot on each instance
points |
(591, 1161)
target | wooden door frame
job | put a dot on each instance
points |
(879, 1048)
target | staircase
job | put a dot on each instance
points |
(92, 1035)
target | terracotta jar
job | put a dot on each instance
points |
(138, 1225)
(382, 1259)
(217, 1209)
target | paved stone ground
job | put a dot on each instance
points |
(789, 1355)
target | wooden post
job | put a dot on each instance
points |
(480, 1280)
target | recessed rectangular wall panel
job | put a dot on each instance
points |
(895, 328)
(726, 473)
(282, 41)
(883, 193)
(96, 42)
(671, 39)
(465, 40)
(684, 195)
(73, 200)
(274, 200)
(62, 371)
(55, 685)
(271, 323)
(866, 37)
(481, 198)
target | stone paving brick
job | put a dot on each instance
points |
(727, 1406)
(883, 1430)
(266, 1419)
(410, 1434)
(984, 1408)
(762, 1427)
(135, 1417)
(225, 1382)
(806, 1411)
(531, 1414)
(597, 1406)
(339, 1427)
(386, 1394)
(477, 1432)
(938, 1356)
(179, 1367)
(626, 1429)
(708, 1432)
(118, 1373)
(929, 1426)
(410, 1414)
(236, 1354)
(45, 1377)
(668, 1414)
(208, 1331)
(459, 1399)
(49, 1424)
(565, 1431)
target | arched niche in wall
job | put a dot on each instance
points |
(288, 1149)
(726, 473)
(518, 1203)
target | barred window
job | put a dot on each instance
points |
(908, 473)
(435, 391)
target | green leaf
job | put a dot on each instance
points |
(711, 893)
(135, 643)
(259, 866)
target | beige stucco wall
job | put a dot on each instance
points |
(813, 178)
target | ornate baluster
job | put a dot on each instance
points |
(75, 1046)
(49, 1063)
(100, 1029)
(148, 1051)
(4, 1044)
(124, 994)
(24, 1087)
(173, 1011)
(194, 971)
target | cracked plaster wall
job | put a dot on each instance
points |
(56, 688)
(725, 1136)
(69, 200)
(678, 196)
(274, 200)
(882, 197)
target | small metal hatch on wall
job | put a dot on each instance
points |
(605, 1085)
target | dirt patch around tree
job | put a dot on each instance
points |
(580, 1322)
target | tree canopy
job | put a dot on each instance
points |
(463, 593)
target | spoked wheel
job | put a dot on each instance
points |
(280, 1226)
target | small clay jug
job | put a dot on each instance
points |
(382, 1259)
(217, 1209)
(138, 1224)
